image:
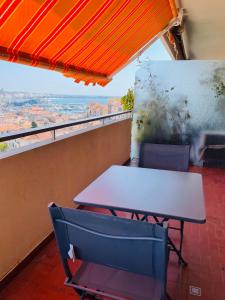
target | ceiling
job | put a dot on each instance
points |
(204, 28)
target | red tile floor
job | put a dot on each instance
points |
(203, 248)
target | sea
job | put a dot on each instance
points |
(63, 105)
(75, 104)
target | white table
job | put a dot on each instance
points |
(158, 193)
(176, 195)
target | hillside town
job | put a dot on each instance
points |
(23, 111)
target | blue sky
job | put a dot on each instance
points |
(16, 77)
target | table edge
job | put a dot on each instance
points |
(197, 221)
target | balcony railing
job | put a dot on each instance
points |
(19, 141)
(53, 128)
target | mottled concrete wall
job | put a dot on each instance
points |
(176, 100)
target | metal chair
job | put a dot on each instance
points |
(165, 157)
(120, 258)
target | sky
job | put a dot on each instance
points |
(17, 77)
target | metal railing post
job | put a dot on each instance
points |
(53, 134)
(53, 128)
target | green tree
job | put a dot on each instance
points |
(33, 124)
(127, 101)
(3, 147)
(219, 89)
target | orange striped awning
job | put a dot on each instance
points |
(88, 40)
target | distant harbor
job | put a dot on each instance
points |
(60, 104)
(20, 111)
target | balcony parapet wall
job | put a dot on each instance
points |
(53, 172)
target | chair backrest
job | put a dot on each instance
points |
(164, 156)
(133, 246)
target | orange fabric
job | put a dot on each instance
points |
(88, 40)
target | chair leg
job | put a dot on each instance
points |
(82, 297)
(85, 295)
(181, 235)
(79, 292)
(168, 297)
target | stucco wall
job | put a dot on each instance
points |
(54, 172)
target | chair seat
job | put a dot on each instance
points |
(118, 284)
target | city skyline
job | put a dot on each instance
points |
(21, 78)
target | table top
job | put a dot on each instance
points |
(176, 195)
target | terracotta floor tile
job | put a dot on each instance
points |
(203, 248)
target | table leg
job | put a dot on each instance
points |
(156, 219)
(170, 242)
(144, 218)
(136, 215)
(181, 229)
(113, 212)
(178, 252)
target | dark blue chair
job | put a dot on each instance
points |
(165, 157)
(120, 258)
